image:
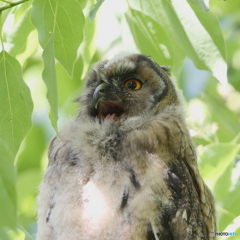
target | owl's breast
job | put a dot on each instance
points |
(125, 201)
(112, 201)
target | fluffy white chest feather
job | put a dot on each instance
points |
(95, 200)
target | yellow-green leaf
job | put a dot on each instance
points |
(93, 12)
(197, 39)
(63, 19)
(15, 122)
(203, 4)
(150, 38)
(15, 103)
(216, 163)
(49, 77)
(7, 187)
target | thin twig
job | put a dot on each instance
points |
(11, 4)
(6, 1)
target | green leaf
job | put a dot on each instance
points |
(87, 49)
(26, 193)
(7, 187)
(228, 121)
(15, 118)
(15, 103)
(229, 208)
(49, 77)
(65, 21)
(33, 148)
(93, 12)
(155, 10)
(203, 4)
(216, 163)
(66, 86)
(212, 26)
(19, 36)
(197, 39)
(3, 234)
(20, 10)
(27, 235)
(196, 33)
(16, 234)
(150, 38)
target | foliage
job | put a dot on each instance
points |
(189, 37)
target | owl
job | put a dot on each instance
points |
(126, 167)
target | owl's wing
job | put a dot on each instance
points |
(188, 212)
(185, 220)
(196, 197)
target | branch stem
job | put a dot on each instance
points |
(11, 4)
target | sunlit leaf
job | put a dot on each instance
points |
(66, 86)
(19, 36)
(33, 149)
(229, 208)
(15, 122)
(204, 4)
(27, 235)
(27, 192)
(15, 103)
(155, 10)
(49, 77)
(65, 21)
(93, 12)
(16, 234)
(87, 48)
(196, 39)
(3, 234)
(227, 120)
(199, 36)
(216, 162)
(150, 38)
(212, 26)
(7, 187)
(20, 10)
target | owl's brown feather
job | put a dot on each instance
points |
(126, 168)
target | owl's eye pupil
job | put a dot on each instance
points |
(132, 85)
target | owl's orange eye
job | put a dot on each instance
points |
(133, 84)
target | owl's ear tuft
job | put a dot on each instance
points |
(166, 69)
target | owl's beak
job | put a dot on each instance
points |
(107, 103)
(99, 94)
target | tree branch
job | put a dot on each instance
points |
(11, 4)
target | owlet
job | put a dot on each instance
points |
(126, 167)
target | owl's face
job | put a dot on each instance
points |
(127, 86)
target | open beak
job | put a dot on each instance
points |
(107, 103)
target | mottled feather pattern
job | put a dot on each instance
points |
(127, 169)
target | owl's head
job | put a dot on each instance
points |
(127, 86)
